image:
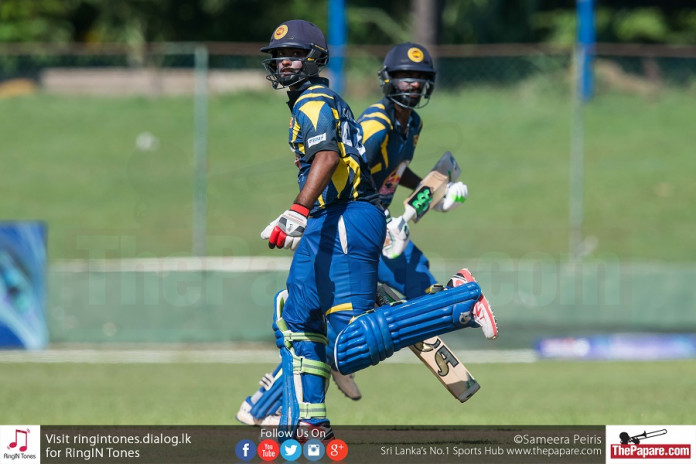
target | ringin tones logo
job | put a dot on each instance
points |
(20, 444)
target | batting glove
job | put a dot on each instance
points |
(397, 237)
(456, 194)
(286, 231)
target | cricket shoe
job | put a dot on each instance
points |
(482, 312)
(244, 414)
(347, 385)
(271, 421)
(307, 431)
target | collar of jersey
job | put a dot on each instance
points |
(293, 95)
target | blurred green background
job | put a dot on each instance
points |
(75, 163)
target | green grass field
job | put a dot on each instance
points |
(73, 162)
(542, 393)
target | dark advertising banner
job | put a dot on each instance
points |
(626, 444)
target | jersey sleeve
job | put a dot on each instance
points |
(375, 127)
(316, 125)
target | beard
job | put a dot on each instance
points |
(408, 99)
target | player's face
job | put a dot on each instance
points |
(410, 87)
(289, 60)
(410, 81)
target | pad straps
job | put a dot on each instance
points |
(309, 366)
(312, 411)
(289, 337)
(302, 365)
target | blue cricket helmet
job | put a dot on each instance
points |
(296, 33)
(408, 57)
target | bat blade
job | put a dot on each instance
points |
(437, 357)
(448, 165)
(431, 188)
(448, 369)
(429, 192)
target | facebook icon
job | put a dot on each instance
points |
(245, 450)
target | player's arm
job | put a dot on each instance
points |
(286, 231)
(323, 167)
(409, 179)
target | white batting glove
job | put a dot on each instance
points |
(286, 231)
(397, 237)
(457, 193)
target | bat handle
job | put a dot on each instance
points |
(409, 213)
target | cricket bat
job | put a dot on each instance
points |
(437, 356)
(431, 188)
(448, 369)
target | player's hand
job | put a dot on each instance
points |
(286, 231)
(397, 237)
(456, 194)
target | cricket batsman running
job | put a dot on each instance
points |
(259, 408)
(335, 224)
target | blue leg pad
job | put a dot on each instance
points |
(376, 335)
(290, 415)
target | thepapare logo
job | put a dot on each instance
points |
(280, 32)
(415, 54)
(638, 443)
(20, 443)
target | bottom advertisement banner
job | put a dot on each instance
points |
(364, 444)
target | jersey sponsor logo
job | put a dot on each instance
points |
(280, 32)
(415, 54)
(315, 140)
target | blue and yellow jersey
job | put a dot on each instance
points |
(387, 147)
(322, 120)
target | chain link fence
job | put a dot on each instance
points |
(161, 68)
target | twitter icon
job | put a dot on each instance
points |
(291, 450)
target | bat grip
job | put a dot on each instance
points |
(409, 213)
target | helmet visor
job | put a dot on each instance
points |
(410, 92)
(286, 67)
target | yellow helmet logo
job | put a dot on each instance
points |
(280, 32)
(415, 54)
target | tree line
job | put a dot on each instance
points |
(369, 21)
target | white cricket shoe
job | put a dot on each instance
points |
(271, 421)
(244, 415)
(482, 312)
(347, 385)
